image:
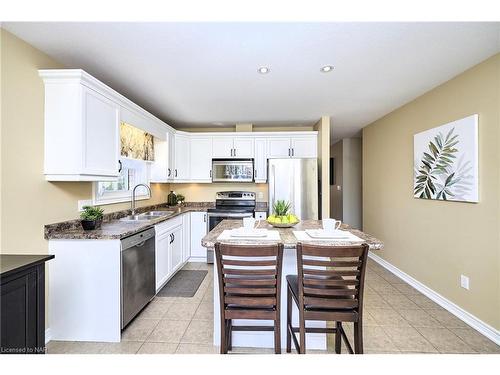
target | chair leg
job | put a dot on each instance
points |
(277, 333)
(302, 333)
(288, 321)
(338, 337)
(230, 334)
(223, 336)
(358, 337)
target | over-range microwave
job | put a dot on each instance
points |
(232, 170)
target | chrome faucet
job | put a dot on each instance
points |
(132, 203)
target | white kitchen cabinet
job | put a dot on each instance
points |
(81, 132)
(198, 231)
(161, 169)
(243, 147)
(181, 158)
(201, 159)
(233, 147)
(176, 249)
(278, 147)
(186, 232)
(292, 147)
(260, 160)
(222, 147)
(304, 147)
(162, 259)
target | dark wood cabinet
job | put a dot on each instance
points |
(22, 303)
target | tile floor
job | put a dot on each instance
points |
(397, 319)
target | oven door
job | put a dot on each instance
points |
(214, 218)
(232, 170)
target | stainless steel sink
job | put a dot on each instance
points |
(146, 216)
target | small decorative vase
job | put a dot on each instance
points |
(89, 224)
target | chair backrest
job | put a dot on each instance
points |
(249, 276)
(331, 277)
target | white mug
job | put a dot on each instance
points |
(248, 222)
(330, 225)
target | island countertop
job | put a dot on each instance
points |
(287, 237)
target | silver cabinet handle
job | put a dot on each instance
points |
(169, 172)
(120, 164)
(175, 172)
(289, 153)
(234, 151)
(255, 173)
(205, 218)
(293, 151)
(210, 173)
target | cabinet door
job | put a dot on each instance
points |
(176, 248)
(101, 137)
(181, 170)
(201, 159)
(260, 160)
(162, 259)
(222, 147)
(160, 167)
(186, 230)
(278, 147)
(243, 147)
(198, 231)
(304, 147)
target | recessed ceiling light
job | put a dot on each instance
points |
(326, 69)
(263, 70)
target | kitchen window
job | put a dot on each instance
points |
(133, 172)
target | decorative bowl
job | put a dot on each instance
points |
(283, 225)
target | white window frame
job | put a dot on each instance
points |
(123, 196)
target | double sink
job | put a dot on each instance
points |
(150, 215)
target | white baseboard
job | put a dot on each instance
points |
(480, 326)
(47, 335)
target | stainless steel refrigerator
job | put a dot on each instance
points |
(296, 181)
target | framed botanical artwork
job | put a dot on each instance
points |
(446, 161)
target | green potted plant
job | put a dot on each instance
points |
(281, 217)
(180, 199)
(91, 217)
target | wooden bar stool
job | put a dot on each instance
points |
(329, 287)
(249, 288)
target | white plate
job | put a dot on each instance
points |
(321, 233)
(242, 232)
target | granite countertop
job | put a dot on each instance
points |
(286, 234)
(12, 263)
(113, 228)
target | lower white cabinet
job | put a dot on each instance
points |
(260, 215)
(170, 253)
(198, 231)
(176, 249)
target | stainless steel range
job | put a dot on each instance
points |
(229, 205)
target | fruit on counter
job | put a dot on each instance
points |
(281, 215)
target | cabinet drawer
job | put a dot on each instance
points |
(167, 225)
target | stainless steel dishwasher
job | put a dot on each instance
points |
(137, 273)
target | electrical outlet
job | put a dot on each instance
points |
(86, 202)
(464, 282)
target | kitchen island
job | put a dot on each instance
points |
(265, 339)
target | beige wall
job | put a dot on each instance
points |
(351, 182)
(323, 128)
(206, 192)
(28, 201)
(437, 241)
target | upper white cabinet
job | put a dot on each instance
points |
(260, 160)
(201, 159)
(161, 168)
(233, 147)
(81, 132)
(82, 118)
(181, 158)
(298, 146)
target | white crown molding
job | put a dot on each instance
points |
(476, 323)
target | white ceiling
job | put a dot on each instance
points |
(198, 74)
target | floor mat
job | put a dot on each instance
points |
(185, 283)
